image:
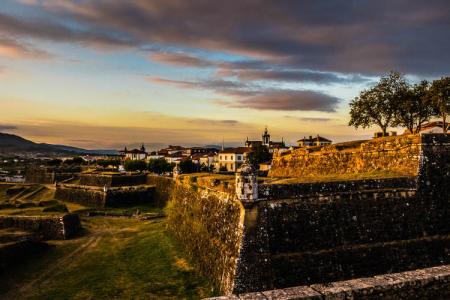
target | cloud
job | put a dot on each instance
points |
(214, 122)
(13, 49)
(246, 95)
(368, 37)
(7, 127)
(288, 100)
(48, 29)
(180, 59)
(306, 119)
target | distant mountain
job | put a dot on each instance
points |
(11, 143)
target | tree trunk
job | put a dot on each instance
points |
(384, 129)
(444, 123)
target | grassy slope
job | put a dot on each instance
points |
(117, 258)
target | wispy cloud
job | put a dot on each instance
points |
(246, 95)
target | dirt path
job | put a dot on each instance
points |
(22, 291)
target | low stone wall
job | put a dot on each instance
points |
(399, 155)
(46, 227)
(209, 226)
(80, 194)
(112, 180)
(163, 188)
(98, 197)
(47, 175)
(429, 283)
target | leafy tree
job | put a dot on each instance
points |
(188, 166)
(376, 106)
(159, 166)
(259, 154)
(54, 162)
(439, 97)
(412, 108)
(135, 165)
(223, 169)
(74, 161)
(108, 162)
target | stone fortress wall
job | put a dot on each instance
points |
(297, 234)
(209, 225)
(100, 197)
(46, 227)
(398, 155)
(49, 175)
(429, 283)
(112, 180)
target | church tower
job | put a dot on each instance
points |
(266, 137)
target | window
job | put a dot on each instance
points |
(220, 157)
(231, 157)
(239, 157)
(226, 157)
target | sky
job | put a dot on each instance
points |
(109, 73)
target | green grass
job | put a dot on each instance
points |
(382, 174)
(118, 258)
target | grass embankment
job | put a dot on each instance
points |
(382, 174)
(117, 258)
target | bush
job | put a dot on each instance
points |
(54, 162)
(187, 166)
(56, 208)
(135, 165)
(47, 202)
(104, 163)
(159, 166)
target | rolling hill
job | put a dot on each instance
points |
(11, 143)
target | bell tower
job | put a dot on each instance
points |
(266, 137)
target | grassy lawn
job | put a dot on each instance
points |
(116, 258)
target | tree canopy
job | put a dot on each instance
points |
(259, 154)
(412, 108)
(439, 97)
(159, 166)
(376, 106)
(135, 165)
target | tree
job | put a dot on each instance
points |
(135, 165)
(188, 166)
(439, 97)
(159, 166)
(259, 154)
(104, 163)
(376, 106)
(412, 108)
(74, 161)
(54, 162)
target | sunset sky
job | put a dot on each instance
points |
(109, 73)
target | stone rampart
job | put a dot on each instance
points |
(163, 188)
(208, 224)
(49, 175)
(47, 227)
(429, 283)
(303, 234)
(105, 197)
(398, 155)
(112, 180)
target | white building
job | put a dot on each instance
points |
(231, 159)
(313, 141)
(135, 154)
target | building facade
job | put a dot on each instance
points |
(134, 154)
(231, 159)
(313, 141)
